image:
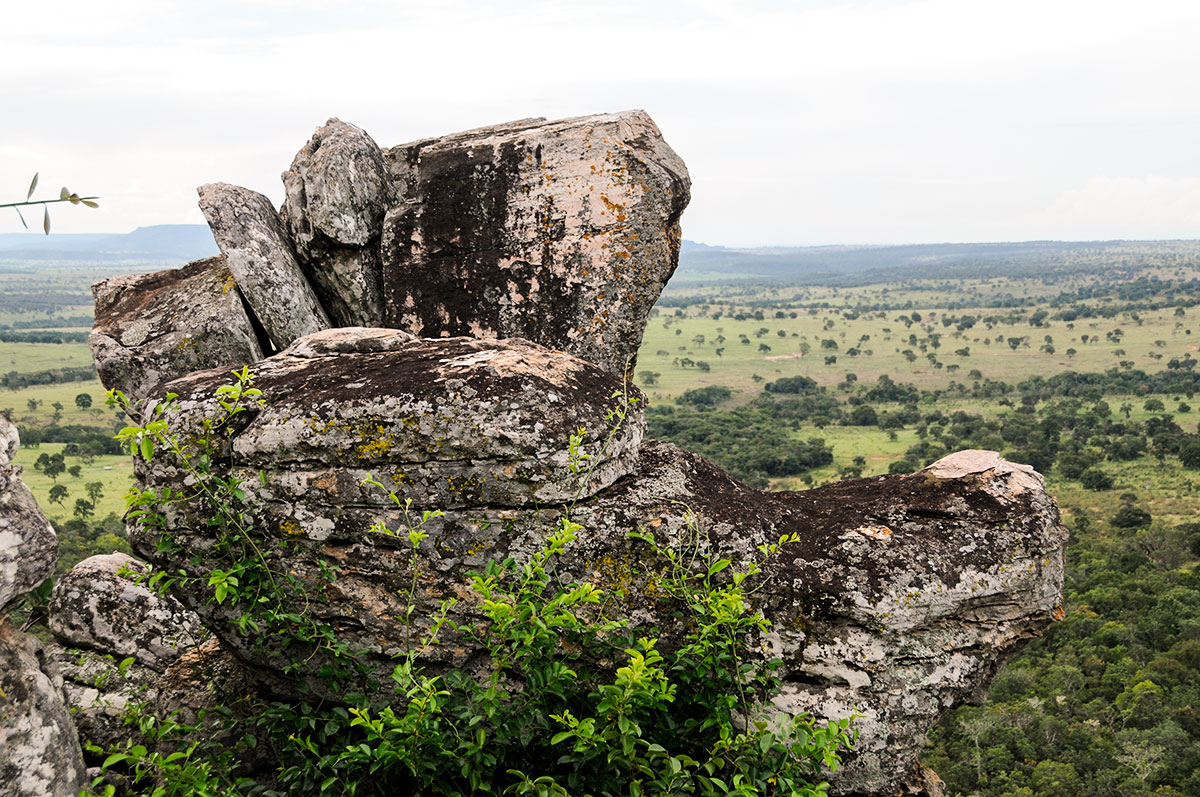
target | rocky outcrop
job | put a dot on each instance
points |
(899, 601)
(562, 233)
(338, 191)
(116, 637)
(260, 255)
(28, 546)
(39, 749)
(516, 266)
(100, 605)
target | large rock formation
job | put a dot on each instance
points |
(899, 601)
(100, 604)
(338, 191)
(262, 260)
(39, 749)
(517, 264)
(563, 233)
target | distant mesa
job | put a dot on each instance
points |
(165, 243)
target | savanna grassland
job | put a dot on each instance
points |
(1081, 363)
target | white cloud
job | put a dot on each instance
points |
(809, 122)
(1154, 206)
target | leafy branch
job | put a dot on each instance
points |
(64, 195)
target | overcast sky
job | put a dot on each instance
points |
(801, 122)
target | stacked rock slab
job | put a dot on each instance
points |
(338, 191)
(561, 232)
(516, 268)
(150, 328)
(39, 749)
(262, 260)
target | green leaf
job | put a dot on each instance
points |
(559, 737)
(64, 193)
(718, 566)
(147, 448)
(23, 224)
(32, 187)
(90, 203)
(115, 758)
(46, 219)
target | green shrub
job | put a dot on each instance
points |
(1096, 479)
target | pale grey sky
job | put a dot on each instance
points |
(802, 123)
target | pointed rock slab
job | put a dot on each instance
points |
(150, 328)
(338, 191)
(561, 232)
(39, 749)
(99, 605)
(28, 545)
(260, 255)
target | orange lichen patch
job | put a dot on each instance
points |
(881, 533)
(1059, 612)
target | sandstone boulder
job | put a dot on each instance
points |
(100, 605)
(561, 232)
(338, 191)
(39, 750)
(459, 422)
(153, 327)
(259, 253)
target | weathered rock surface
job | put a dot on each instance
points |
(451, 423)
(153, 327)
(259, 253)
(98, 689)
(560, 232)
(99, 605)
(28, 545)
(39, 749)
(338, 191)
(900, 599)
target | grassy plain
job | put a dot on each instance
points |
(881, 338)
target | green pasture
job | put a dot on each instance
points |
(47, 395)
(115, 474)
(1146, 343)
(26, 357)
